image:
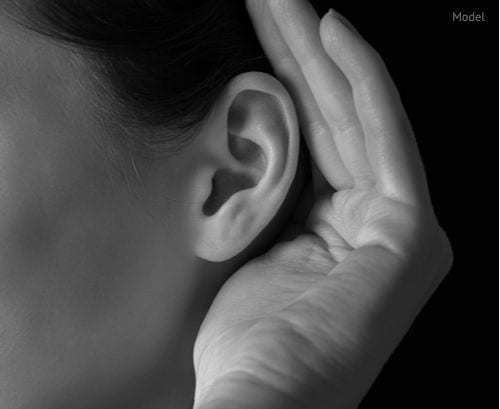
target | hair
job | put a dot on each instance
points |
(161, 62)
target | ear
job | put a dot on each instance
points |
(252, 141)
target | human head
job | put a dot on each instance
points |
(145, 151)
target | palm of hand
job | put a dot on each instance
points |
(319, 315)
(301, 311)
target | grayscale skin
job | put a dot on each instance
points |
(311, 323)
(109, 264)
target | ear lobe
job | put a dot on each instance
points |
(257, 159)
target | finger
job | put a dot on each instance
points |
(390, 145)
(314, 127)
(298, 24)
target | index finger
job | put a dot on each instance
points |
(317, 135)
(390, 143)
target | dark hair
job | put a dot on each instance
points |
(163, 62)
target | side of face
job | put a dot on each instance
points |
(101, 262)
(91, 278)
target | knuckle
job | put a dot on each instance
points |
(315, 129)
(374, 58)
(371, 69)
(346, 124)
(447, 255)
(283, 7)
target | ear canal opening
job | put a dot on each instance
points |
(225, 183)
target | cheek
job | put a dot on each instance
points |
(97, 311)
(45, 187)
(91, 290)
(82, 351)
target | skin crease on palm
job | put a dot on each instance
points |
(107, 269)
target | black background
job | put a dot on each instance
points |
(447, 74)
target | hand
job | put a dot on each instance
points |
(311, 323)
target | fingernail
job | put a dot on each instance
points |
(334, 14)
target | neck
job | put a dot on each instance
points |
(172, 383)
